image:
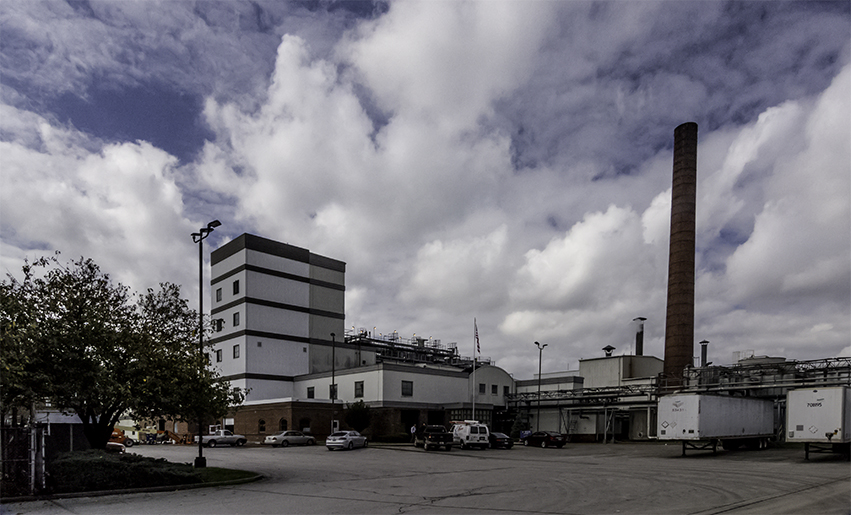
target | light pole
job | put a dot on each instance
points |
(540, 353)
(639, 336)
(333, 366)
(198, 237)
(333, 389)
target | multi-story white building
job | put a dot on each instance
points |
(280, 315)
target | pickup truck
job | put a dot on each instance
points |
(435, 436)
(222, 437)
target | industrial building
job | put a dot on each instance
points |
(281, 334)
(279, 313)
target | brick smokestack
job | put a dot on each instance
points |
(679, 322)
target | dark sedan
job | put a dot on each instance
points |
(500, 441)
(546, 439)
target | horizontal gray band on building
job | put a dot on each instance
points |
(274, 248)
(277, 305)
(266, 377)
(277, 273)
(260, 334)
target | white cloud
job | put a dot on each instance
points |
(508, 161)
(120, 206)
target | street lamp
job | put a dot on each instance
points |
(540, 353)
(198, 237)
(639, 336)
(333, 366)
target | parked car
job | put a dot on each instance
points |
(222, 437)
(545, 439)
(433, 437)
(345, 440)
(285, 438)
(115, 447)
(500, 441)
(118, 436)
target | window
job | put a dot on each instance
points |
(282, 424)
(236, 287)
(332, 391)
(259, 344)
(219, 323)
(261, 426)
(506, 391)
(219, 356)
(494, 389)
(235, 351)
(218, 294)
(358, 388)
(482, 388)
(407, 388)
(310, 392)
(236, 319)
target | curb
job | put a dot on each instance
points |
(102, 493)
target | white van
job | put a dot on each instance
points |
(470, 433)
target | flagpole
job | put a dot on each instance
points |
(475, 386)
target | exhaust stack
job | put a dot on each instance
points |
(679, 320)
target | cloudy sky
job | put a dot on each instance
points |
(504, 160)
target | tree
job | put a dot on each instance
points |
(20, 376)
(358, 415)
(79, 342)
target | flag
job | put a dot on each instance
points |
(476, 329)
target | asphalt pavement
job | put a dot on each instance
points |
(627, 478)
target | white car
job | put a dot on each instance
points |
(345, 440)
(285, 438)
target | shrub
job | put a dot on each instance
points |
(92, 470)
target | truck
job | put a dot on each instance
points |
(702, 421)
(470, 433)
(222, 437)
(433, 437)
(821, 419)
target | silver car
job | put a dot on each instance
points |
(286, 438)
(345, 440)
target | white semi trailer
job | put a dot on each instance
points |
(702, 421)
(820, 418)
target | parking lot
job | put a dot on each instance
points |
(580, 478)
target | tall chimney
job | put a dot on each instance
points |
(679, 321)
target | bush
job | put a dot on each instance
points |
(104, 471)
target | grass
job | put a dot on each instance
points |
(218, 475)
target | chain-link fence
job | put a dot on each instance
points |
(22, 450)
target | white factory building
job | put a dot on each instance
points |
(279, 311)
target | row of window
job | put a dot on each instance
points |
(219, 291)
(407, 390)
(219, 353)
(494, 389)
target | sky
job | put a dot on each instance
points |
(503, 161)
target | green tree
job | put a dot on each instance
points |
(21, 376)
(358, 415)
(79, 342)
